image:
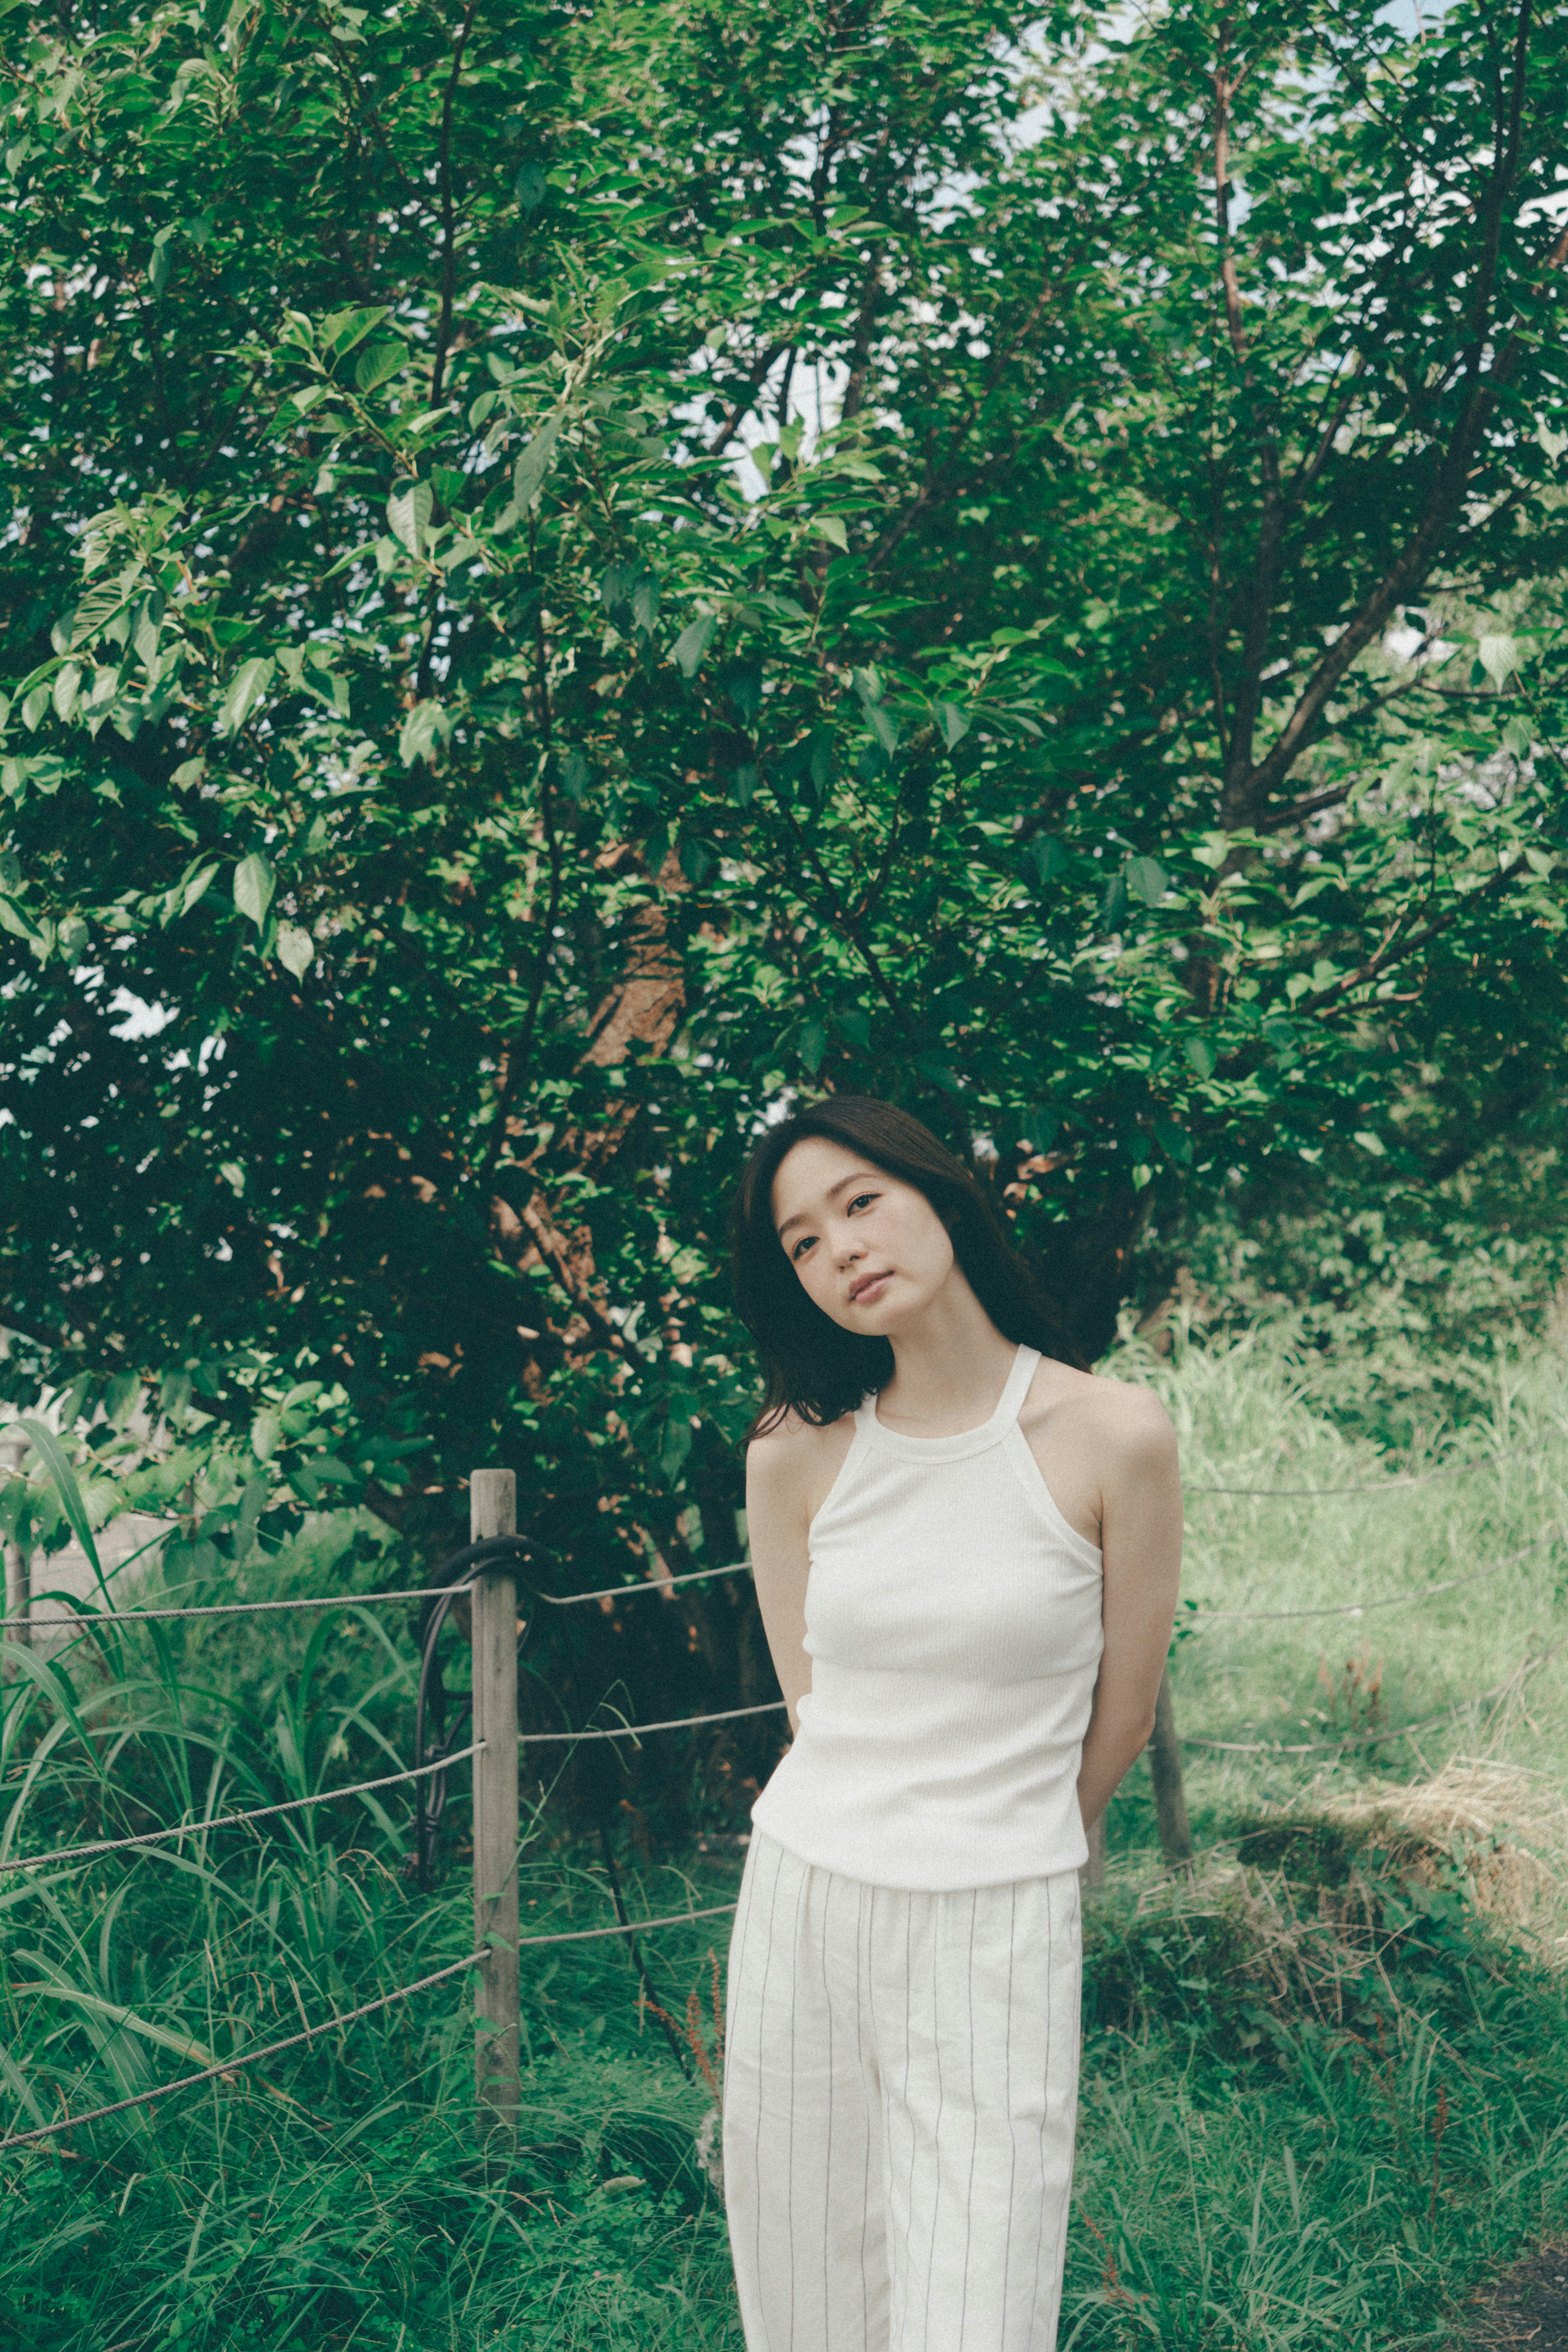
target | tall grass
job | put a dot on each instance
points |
(1249, 1413)
(1320, 2091)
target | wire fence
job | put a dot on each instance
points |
(635, 1730)
(227, 2066)
(231, 1821)
(90, 1620)
(246, 2058)
(1378, 1486)
(1379, 1738)
(1387, 1600)
(93, 1619)
(116, 1617)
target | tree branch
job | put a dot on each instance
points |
(1245, 793)
(449, 213)
(754, 383)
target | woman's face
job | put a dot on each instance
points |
(868, 1248)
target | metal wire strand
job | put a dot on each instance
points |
(1374, 1738)
(234, 1820)
(246, 2058)
(1389, 1600)
(648, 1584)
(90, 1619)
(94, 1620)
(1374, 1485)
(627, 1926)
(631, 1731)
(350, 2017)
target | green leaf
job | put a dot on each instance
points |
(1200, 1055)
(426, 725)
(1146, 879)
(952, 722)
(264, 1432)
(377, 362)
(126, 2020)
(1372, 1143)
(232, 1175)
(645, 602)
(146, 626)
(157, 267)
(408, 515)
(344, 329)
(742, 682)
(882, 726)
(677, 1445)
(254, 882)
(813, 1045)
(451, 487)
(295, 949)
(529, 186)
(245, 690)
(50, 1451)
(830, 528)
(67, 684)
(1049, 859)
(1174, 1140)
(534, 463)
(336, 1473)
(1498, 656)
(615, 586)
(121, 1399)
(693, 642)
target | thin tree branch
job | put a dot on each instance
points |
(449, 213)
(759, 375)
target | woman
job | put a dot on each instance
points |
(967, 1552)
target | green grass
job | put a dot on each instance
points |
(1248, 1415)
(1320, 2095)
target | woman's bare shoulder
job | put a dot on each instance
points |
(789, 1443)
(1128, 1420)
(795, 1460)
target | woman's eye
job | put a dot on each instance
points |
(804, 1243)
(861, 1201)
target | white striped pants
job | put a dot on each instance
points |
(899, 2096)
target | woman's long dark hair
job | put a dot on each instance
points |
(812, 1365)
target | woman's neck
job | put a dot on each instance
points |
(949, 1368)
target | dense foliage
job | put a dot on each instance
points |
(572, 570)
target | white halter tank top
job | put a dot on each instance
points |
(952, 1620)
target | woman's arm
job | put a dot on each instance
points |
(778, 1520)
(1140, 1544)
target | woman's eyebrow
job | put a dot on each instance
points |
(803, 1216)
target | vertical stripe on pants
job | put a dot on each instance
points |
(900, 2097)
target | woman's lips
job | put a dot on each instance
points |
(866, 1294)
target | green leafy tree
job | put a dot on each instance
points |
(569, 574)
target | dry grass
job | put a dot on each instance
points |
(1502, 1829)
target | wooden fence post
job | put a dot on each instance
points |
(18, 1560)
(492, 1511)
(1165, 1770)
